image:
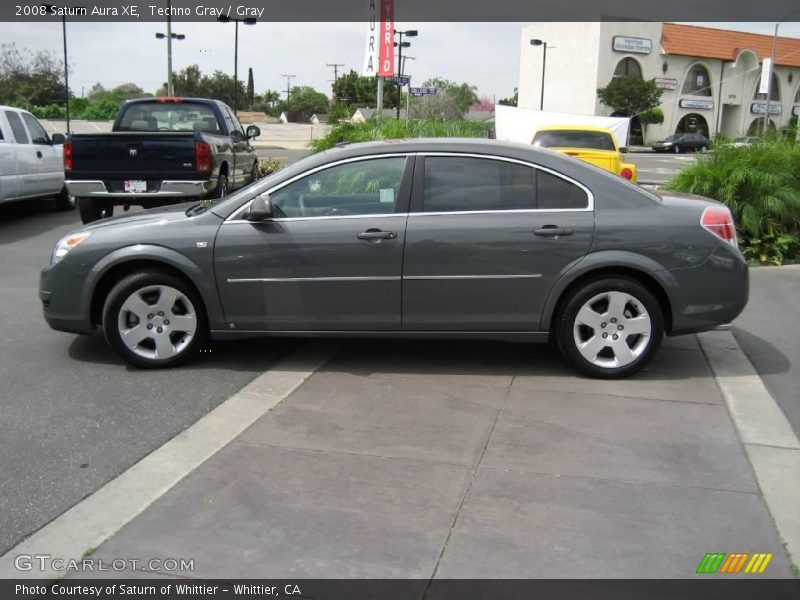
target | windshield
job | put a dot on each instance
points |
(169, 116)
(596, 140)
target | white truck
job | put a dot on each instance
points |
(31, 164)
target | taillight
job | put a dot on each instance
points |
(719, 221)
(202, 157)
(169, 99)
(626, 173)
(67, 154)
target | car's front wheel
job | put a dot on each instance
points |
(154, 319)
(610, 327)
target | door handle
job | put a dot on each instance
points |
(376, 235)
(553, 231)
(39, 153)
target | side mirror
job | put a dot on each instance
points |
(236, 135)
(253, 131)
(261, 209)
(58, 139)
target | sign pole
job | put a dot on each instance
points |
(380, 99)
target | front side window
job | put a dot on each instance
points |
(455, 183)
(367, 187)
(20, 135)
(38, 134)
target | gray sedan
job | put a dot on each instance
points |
(424, 238)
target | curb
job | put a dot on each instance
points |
(768, 439)
(99, 516)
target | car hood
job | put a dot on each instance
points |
(162, 214)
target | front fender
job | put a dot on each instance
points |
(203, 282)
(604, 260)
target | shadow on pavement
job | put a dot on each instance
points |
(29, 218)
(766, 358)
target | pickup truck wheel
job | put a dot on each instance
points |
(254, 175)
(153, 319)
(222, 187)
(64, 201)
(93, 209)
(610, 327)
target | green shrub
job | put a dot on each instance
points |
(761, 186)
(390, 129)
(104, 110)
(51, 111)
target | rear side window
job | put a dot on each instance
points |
(555, 193)
(454, 183)
(596, 140)
(20, 135)
(38, 134)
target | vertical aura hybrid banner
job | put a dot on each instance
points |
(371, 54)
(386, 66)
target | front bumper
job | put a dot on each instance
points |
(64, 304)
(96, 188)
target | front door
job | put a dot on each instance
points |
(485, 240)
(331, 259)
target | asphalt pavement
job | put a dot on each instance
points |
(74, 416)
(656, 168)
(769, 333)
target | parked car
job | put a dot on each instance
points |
(681, 142)
(595, 145)
(160, 151)
(30, 160)
(420, 238)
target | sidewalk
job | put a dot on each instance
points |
(415, 459)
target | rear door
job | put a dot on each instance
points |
(51, 166)
(331, 259)
(486, 238)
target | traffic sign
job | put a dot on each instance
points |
(400, 79)
(423, 91)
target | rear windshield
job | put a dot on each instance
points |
(596, 140)
(169, 116)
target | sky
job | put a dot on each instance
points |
(482, 54)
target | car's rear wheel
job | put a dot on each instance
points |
(64, 201)
(703, 149)
(154, 319)
(610, 327)
(222, 186)
(93, 209)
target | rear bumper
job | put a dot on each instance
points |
(168, 189)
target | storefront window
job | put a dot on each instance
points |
(628, 67)
(697, 82)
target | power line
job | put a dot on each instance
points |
(335, 69)
(288, 85)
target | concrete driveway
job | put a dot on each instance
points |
(424, 459)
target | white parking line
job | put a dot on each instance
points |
(93, 520)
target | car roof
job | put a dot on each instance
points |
(594, 128)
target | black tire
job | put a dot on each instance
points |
(254, 176)
(703, 149)
(222, 186)
(646, 348)
(148, 285)
(64, 201)
(677, 149)
(93, 209)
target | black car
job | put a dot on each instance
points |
(681, 142)
(160, 151)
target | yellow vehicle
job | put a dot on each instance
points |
(595, 145)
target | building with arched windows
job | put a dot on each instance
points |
(709, 77)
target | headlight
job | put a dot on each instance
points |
(66, 244)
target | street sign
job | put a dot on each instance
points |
(423, 91)
(399, 79)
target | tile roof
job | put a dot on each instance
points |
(706, 42)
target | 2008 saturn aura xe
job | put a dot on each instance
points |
(425, 238)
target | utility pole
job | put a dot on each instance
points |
(288, 86)
(335, 70)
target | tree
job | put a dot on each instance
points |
(304, 102)
(191, 82)
(437, 107)
(251, 89)
(352, 91)
(484, 103)
(512, 101)
(28, 79)
(454, 99)
(630, 95)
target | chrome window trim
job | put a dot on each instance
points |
(236, 215)
(235, 218)
(590, 196)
